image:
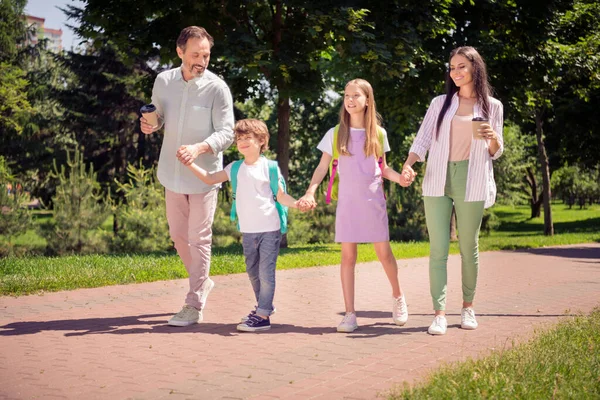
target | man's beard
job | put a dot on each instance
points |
(196, 70)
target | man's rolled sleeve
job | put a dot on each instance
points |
(223, 120)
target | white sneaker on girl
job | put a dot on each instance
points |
(399, 311)
(348, 324)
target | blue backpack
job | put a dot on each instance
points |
(275, 180)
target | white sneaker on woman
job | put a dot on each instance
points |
(467, 319)
(399, 311)
(348, 324)
(438, 326)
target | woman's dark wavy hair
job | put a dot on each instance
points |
(480, 79)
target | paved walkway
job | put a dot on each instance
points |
(113, 343)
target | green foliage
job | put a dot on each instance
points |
(102, 102)
(562, 362)
(225, 231)
(317, 226)
(141, 220)
(406, 212)
(15, 218)
(79, 210)
(571, 183)
(12, 27)
(14, 105)
(489, 223)
(510, 170)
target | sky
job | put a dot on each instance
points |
(55, 18)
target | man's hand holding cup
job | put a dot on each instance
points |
(149, 119)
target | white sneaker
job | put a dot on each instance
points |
(467, 319)
(205, 289)
(399, 311)
(438, 326)
(348, 324)
(187, 316)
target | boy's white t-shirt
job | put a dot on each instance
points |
(326, 144)
(255, 205)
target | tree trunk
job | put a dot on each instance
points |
(535, 202)
(283, 143)
(453, 236)
(283, 135)
(545, 170)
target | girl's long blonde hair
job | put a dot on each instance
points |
(372, 120)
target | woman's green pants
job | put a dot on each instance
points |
(438, 211)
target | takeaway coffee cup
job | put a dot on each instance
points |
(149, 112)
(477, 121)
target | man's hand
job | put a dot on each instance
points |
(188, 153)
(146, 127)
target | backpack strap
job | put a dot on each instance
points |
(333, 165)
(235, 167)
(275, 179)
(380, 157)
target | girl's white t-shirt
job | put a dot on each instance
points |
(326, 144)
(255, 205)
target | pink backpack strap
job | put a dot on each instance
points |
(380, 163)
(334, 165)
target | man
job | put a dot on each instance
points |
(197, 111)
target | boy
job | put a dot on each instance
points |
(257, 215)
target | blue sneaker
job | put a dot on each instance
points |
(255, 324)
(253, 312)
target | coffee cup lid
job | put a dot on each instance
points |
(479, 119)
(148, 108)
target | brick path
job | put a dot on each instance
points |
(113, 343)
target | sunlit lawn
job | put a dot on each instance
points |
(562, 362)
(23, 275)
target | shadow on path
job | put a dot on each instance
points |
(388, 314)
(156, 323)
(567, 252)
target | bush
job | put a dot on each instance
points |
(140, 219)
(225, 231)
(15, 218)
(79, 210)
(489, 222)
(317, 226)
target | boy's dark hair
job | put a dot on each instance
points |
(253, 127)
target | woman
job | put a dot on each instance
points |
(459, 173)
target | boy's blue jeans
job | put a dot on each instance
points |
(261, 251)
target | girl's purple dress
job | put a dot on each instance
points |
(361, 215)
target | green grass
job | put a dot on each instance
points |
(26, 275)
(560, 363)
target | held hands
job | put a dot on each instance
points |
(306, 202)
(188, 153)
(407, 176)
(487, 132)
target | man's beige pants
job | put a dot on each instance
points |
(190, 218)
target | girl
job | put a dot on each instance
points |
(459, 172)
(361, 214)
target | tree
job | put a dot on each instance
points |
(79, 209)
(279, 43)
(14, 105)
(12, 28)
(102, 102)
